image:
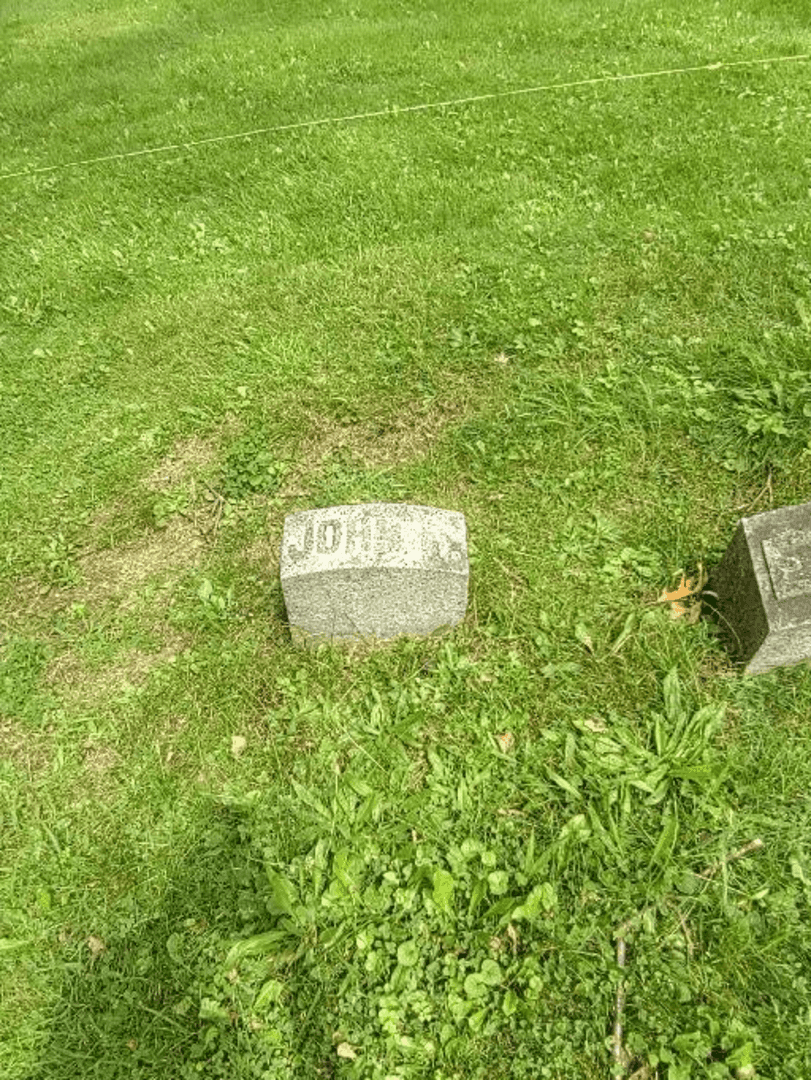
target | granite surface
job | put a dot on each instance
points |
(762, 590)
(373, 571)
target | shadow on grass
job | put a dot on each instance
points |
(131, 1002)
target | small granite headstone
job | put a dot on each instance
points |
(762, 590)
(373, 571)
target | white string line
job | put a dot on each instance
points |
(396, 110)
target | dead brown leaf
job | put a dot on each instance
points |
(512, 934)
(689, 590)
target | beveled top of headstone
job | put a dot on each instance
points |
(788, 560)
(396, 535)
(784, 539)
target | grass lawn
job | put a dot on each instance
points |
(580, 316)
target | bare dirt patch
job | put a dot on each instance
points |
(26, 750)
(69, 672)
(120, 572)
(402, 438)
(187, 458)
(98, 758)
(78, 681)
(265, 554)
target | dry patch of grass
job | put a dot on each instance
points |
(99, 759)
(112, 574)
(265, 554)
(77, 681)
(186, 459)
(82, 27)
(116, 577)
(397, 440)
(120, 572)
(97, 779)
(185, 462)
(26, 750)
(404, 437)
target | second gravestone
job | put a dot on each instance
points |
(760, 592)
(373, 571)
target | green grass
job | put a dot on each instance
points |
(581, 317)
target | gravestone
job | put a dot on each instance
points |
(373, 571)
(760, 592)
